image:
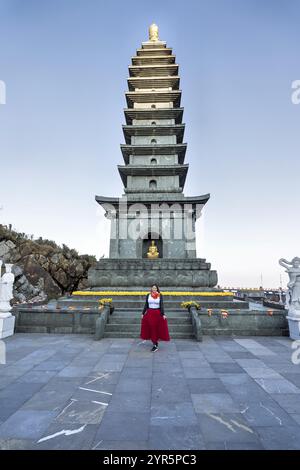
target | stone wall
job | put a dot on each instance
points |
(183, 273)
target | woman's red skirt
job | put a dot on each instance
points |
(154, 326)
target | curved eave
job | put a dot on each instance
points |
(155, 170)
(153, 82)
(115, 201)
(153, 70)
(153, 97)
(154, 130)
(164, 51)
(153, 60)
(157, 149)
(157, 113)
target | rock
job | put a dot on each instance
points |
(79, 270)
(5, 247)
(43, 261)
(39, 298)
(42, 269)
(19, 297)
(15, 256)
(21, 280)
(61, 277)
(34, 272)
(17, 270)
(55, 258)
(83, 284)
(72, 269)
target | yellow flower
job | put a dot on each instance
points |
(190, 303)
(175, 293)
(105, 301)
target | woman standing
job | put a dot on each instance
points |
(154, 321)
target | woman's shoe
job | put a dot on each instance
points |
(155, 348)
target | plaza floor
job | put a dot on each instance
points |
(72, 392)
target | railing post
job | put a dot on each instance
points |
(196, 321)
(101, 322)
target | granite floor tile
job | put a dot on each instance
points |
(277, 385)
(131, 426)
(266, 413)
(59, 436)
(176, 437)
(214, 403)
(197, 386)
(199, 373)
(280, 438)
(228, 427)
(26, 424)
(177, 414)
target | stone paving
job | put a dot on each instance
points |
(71, 392)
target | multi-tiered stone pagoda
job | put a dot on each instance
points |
(153, 224)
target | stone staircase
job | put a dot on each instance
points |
(126, 323)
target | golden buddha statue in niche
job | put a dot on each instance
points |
(153, 251)
(153, 32)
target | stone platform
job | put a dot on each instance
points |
(184, 273)
(71, 392)
(78, 314)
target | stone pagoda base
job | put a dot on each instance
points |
(182, 273)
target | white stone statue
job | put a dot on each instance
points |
(7, 320)
(6, 289)
(293, 295)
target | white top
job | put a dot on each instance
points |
(153, 303)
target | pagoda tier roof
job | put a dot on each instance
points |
(156, 96)
(153, 59)
(153, 130)
(154, 170)
(151, 51)
(154, 44)
(138, 197)
(154, 149)
(153, 82)
(151, 191)
(153, 70)
(153, 113)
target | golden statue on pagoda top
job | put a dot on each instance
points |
(153, 32)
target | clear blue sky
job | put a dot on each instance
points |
(65, 63)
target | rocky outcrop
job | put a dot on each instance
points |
(43, 270)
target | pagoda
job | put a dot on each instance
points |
(152, 237)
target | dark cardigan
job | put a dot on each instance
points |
(161, 304)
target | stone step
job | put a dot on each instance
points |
(136, 327)
(173, 303)
(132, 309)
(118, 334)
(135, 311)
(180, 297)
(137, 319)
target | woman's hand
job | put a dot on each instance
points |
(164, 316)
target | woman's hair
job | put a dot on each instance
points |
(156, 287)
